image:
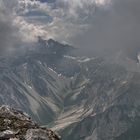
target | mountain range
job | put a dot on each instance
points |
(82, 98)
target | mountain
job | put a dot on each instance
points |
(17, 125)
(29, 81)
(107, 108)
(81, 98)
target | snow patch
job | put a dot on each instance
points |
(59, 75)
(70, 57)
(84, 60)
(30, 87)
(25, 65)
(52, 70)
(39, 62)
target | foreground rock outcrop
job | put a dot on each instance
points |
(17, 125)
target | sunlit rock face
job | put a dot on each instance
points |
(17, 125)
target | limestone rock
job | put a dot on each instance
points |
(16, 125)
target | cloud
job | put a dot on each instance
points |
(8, 32)
(96, 26)
(112, 30)
(64, 19)
(32, 20)
(76, 16)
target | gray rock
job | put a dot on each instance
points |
(7, 134)
(16, 125)
(35, 134)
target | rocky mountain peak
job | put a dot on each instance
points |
(17, 125)
(52, 46)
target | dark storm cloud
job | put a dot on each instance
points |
(116, 28)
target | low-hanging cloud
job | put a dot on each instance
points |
(95, 26)
(103, 27)
(112, 30)
(69, 18)
(8, 31)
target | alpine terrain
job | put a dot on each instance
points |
(81, 98)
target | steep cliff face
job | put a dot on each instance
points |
(16, 125)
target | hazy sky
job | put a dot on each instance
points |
(96, 26)
(113, 29)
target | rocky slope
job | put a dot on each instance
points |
(107, 108)
(16, 125)
(31, 82)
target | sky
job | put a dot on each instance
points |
(57, 19)
(94, 26)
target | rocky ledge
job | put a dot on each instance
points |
(17, 125)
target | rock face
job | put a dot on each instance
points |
(17, 125)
